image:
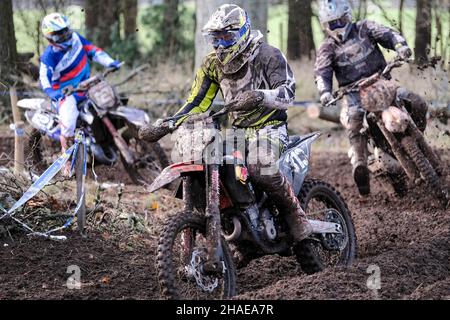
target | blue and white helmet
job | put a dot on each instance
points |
(336, 18)
(56, 29)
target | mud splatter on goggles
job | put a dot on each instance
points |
(226, 38)
(338, 24)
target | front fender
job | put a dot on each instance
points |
(135, 116)
(172, 173)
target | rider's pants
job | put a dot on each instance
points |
(68, 114)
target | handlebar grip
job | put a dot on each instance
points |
(151, 133)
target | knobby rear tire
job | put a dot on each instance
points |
(427, 172)
(306, 252)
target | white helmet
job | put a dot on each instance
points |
(56, 29)
(228, 31)
(336, 18)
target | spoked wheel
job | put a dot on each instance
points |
(322, 202)
(181, 256)
(428, 173)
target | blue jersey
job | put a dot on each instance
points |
(60, 69)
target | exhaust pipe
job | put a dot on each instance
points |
(236, 232)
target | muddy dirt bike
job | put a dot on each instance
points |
(109, 125)
(398, 150)
(195, 259)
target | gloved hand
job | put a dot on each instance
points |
(246, 101)
(326, 98)
(115, 65)
(404, 52)
(55, 95)
(158, 130)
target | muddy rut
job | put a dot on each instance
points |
(407, 239)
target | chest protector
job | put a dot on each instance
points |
(358, 57)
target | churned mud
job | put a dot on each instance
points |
(407, 240)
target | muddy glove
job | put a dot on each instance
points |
(326, 98)
(155, 132)
(246, 101)
(404, 52)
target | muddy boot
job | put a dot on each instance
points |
(280, 191)
(361, 173)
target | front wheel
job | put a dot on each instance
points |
(321, 201)
(181, 255)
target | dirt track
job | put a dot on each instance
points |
(408, 239)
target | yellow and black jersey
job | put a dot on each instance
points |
(266, 70)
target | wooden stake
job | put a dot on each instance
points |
(19, 133)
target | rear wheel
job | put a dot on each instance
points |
(181, 255)
(322, 202)
(426, 170)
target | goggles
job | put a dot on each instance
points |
(224, 39)
(60, 37)
(338, 24)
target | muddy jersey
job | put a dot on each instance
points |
(266, 69)
(357, 57)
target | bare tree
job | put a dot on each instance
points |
(400, 15)
(102, 20)
(8, 51)
(423, 30)
(258, 13)
(130, 14)
(300, 35)
(171, 27)
(204, 9)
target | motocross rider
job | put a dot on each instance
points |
(65, 64)
(351, 52)
(257, 82)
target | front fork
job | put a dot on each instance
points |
(213, 224)
(213, 227)
(118, 140)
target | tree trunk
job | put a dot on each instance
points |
(204, 10)
(171, 27)
(423, 30)
(102, 20)
(130, 13)
(300, 35)
(257, 12)
(8, 53)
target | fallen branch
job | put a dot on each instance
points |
(133, 74)
(315, 111)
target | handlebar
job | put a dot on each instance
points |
(339, 94)
(87, 84)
